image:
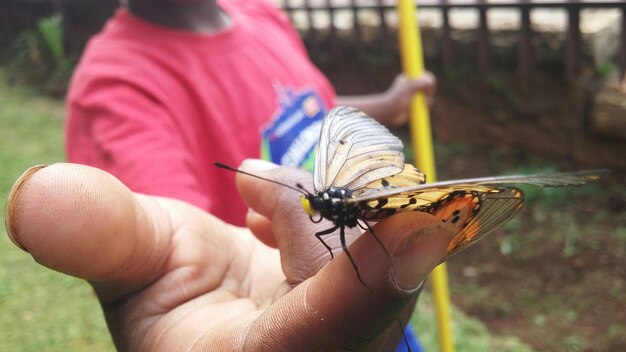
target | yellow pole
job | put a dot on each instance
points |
(421, 135)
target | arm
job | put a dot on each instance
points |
(390, 106)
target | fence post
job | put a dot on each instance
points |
(482, 46)
(524, 52)
(446, 34)
(311, 31)
(383, 25)
(572, 42)
(332, 31)
(357, 25)
(622, 46)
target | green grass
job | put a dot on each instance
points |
(41, 310)
(470, 334)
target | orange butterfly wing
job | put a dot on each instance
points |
(473, 211)
(475, 214)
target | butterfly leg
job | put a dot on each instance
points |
(371, 230)
(324, 233)
(406, 341)
(342, 238)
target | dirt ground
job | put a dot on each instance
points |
(555, 276)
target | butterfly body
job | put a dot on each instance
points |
(331, 205)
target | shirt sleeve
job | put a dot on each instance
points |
(122, 128)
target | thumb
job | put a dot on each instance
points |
(334, 311)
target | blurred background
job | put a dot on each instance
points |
(524, 86)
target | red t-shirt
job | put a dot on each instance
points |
(156, 106)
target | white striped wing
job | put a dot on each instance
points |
(354, 150)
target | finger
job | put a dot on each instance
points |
(277, 203)
(84, 222)
(334, 311)
(266, 197)
(302, 254)
(261, 227)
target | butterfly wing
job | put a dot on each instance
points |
(472, 207)
(354, 150)
(472, 211)
(576, 178)
(473, 215)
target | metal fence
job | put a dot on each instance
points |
(571, 46)
(12, 20)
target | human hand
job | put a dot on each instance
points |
(172, 277)
(398, 96)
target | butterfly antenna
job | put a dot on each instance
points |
(300, 186)
(224, 166)
(371, 230)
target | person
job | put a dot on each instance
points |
(172, 277)
(171, 86)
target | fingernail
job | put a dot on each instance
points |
(419, 255)
(251, 165)
(9, 213)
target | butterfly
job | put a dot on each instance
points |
(360, 176)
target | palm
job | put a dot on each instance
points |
(207, 272)
(209, 268)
